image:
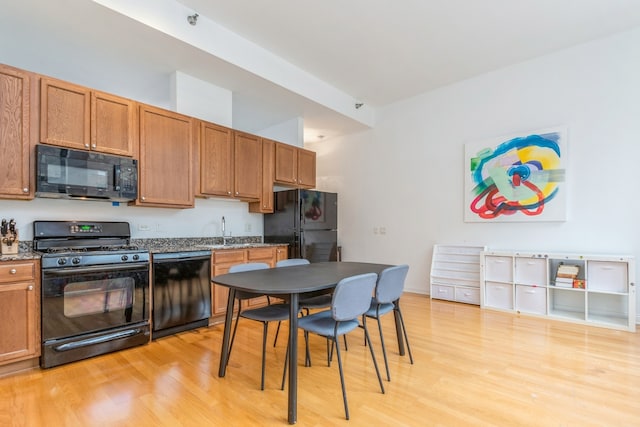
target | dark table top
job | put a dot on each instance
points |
(296, 279)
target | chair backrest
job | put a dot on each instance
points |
(352, 296)
(391, 283)
(292, 261)
(239, 268)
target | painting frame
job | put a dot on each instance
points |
(521, 177)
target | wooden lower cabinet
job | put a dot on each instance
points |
(19, 311)
(222, 260)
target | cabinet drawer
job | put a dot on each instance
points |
(468, 295)
(443, 292)
(531, 299)
(499, 295)
(531, 271)
(228, 257)
(260, 254)
(498, 268)
(607, 276)
(14, 272)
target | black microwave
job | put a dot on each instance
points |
(85, 175)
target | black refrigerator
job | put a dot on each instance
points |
(306, 220)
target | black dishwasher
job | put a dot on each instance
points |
(181, 291)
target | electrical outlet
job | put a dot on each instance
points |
(144, 227)
(375, 230)
(383, 230)
(247, 227)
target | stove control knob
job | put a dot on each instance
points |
(75, 260)
(62, 261)
(136, 257)
(124, 257)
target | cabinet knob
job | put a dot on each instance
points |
(94, 146)
(25, 190)
(142, 198)
(30, 287)
(229, 192)
(237, 193)
(13, 271)
(86, 145)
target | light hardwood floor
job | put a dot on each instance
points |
(472, 368)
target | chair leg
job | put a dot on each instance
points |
(373, 356)
(404, 331)
(275, 340)
(284, 371)
(233, 336)
(344, 391)
(307, 355)
(384, 351)
(264, 351)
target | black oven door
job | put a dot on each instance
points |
(89, 311)
(81, 300)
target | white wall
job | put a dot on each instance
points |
(407, 174)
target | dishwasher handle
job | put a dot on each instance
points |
(181, 256)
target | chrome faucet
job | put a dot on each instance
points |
(224, 234)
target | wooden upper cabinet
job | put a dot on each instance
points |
(294, 167)
(306, 168)
(265, 204)
(113, 124)
(247, 162)
(73, 116)
(215, 163)
(17, 90)
(166, 158)
(286, 171)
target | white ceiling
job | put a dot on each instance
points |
(373, 51)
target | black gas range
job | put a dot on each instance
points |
(95, 289)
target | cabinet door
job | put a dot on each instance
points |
(165, 159)
(306, 168)
(247, 158)
(113, 121)
(221, 262)
(281, 253)
(215, 166)
(19, 311)
(64, 114)
(15, 136)
(265, 205)
(286, 170)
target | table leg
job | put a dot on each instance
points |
(293, 358)
(396, 316)
(228, 320)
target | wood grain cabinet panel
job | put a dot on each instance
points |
(247, 160)
(166, 158)
(265, 205)
(76, 117)
(19, 311)
(17, 89)
(294, 167)
(215, 165)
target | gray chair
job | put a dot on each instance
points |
(386, 299)
(351, 299)
(266, 314)
(307, 303)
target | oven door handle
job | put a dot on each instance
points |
(94, 269)
(98, 340)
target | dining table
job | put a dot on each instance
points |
(289, 283)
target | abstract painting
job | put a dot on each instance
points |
(517, 178)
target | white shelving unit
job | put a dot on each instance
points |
(455, 273)
(602, 294)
